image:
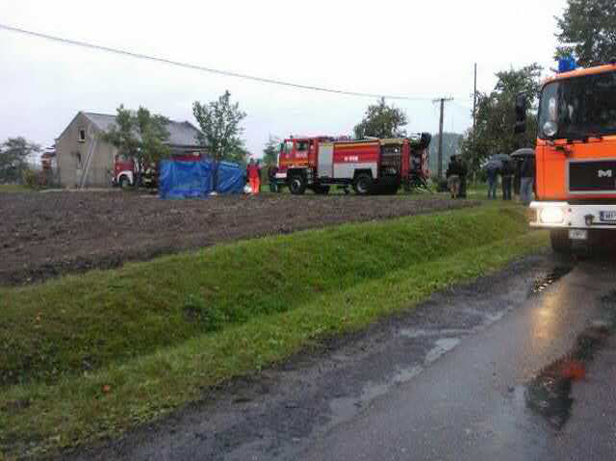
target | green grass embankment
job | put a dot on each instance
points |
(92, 355)
(9, 188)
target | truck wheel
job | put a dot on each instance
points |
(560, 241)
(321, 190)
(297, 185)
(363, 184)
(123, 182)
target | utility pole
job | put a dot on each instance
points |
(475, 101)
(442, 101)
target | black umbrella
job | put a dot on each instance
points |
(496, 162)
(501, 157)
(493, 164)
(524, 152)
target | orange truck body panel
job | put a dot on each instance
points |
(581, 72)
(553, 162)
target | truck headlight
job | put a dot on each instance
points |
(552, 215)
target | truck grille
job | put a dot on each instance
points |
(592, 177)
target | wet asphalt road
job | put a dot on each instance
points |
(450, 380)
(472, 404)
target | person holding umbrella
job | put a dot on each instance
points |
(527, 179)
(492, 168)
(526, 172)
(507, 179)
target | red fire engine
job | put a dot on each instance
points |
(369, 165)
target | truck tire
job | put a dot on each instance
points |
(560, 241)
(297, 184)
(123, 183)
(321, 190)
(363, 184)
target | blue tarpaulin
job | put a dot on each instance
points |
(185, 179)
(230, 179)
(182, 179)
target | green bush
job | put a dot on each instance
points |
(32, 179)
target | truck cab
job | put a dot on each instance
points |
(576, 156)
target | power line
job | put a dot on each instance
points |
(186, 65)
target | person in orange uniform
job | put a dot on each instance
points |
(254, 176)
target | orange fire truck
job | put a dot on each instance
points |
(369, 165)
(575, 155)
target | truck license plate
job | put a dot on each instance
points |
(608, 216)
(578, 234)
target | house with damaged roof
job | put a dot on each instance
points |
(86, 160)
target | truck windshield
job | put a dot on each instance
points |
(579, 107)
(288, 147)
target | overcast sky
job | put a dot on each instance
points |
(423, 49)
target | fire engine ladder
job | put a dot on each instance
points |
(86, 166)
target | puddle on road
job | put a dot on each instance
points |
(421, 333)
(442, 346)
(542, 283)
(345, 408)
(549, 393)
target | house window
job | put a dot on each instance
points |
(82, 135)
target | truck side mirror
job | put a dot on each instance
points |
(521, 107)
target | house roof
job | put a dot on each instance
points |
(180, 133)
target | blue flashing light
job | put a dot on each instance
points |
(567, 64)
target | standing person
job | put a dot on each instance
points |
(507, 179)
(453, 177)
(492, 182)
(271, 178)
(516, 176)
(527, 179)
(253, 174)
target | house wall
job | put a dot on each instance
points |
(69, 149)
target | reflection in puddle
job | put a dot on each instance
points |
(544, 282)
(548, 394)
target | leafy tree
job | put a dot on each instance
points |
(153, 133)
(14, 153)
(270, 153)
(382, 121)
(220, 123)
(587, 30)
(139, 136)
(494, 130)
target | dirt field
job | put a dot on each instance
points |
(46, 235)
